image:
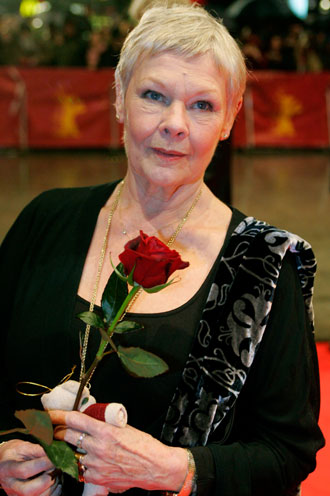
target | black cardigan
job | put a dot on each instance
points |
(268, 442)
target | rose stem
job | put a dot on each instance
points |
(103, 344)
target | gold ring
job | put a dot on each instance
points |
(81, 467)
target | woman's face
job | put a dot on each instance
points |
(174, 113)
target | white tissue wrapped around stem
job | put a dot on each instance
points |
(63, 396)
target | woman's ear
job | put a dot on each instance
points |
(238, 107)
(235, 112)
(231, 119)
(119, 105)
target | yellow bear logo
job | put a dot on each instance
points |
(70, 106)
(288, 107)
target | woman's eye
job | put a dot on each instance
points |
(153, 95)
(203, 105)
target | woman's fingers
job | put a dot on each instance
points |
(74, 420)
(21, 450)
(23, 468)
(82, 431)
(41, 485)
(121, 457)
(26, 469)
(78, 439)
(78, 421)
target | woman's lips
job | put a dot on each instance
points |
(168, 154)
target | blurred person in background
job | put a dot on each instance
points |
(71, 52)
(27, 47)
(252, 49)
(9, 53)
(274, 53)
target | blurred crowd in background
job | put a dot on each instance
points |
(94, 42)
(297, 49)
(73, 44)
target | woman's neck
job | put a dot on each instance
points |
(157, 214)
(154, 201)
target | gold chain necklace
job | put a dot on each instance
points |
(101, 261)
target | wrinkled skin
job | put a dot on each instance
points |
(120, 458)
(25, 469)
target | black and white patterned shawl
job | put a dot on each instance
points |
(232, 326)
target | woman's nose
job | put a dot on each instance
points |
(174, 122)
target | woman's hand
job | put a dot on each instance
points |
(25, 470)
(120, 458)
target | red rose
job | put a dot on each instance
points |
(154, 261)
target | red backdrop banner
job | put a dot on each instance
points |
(67, 108)
(12, 97)
(285, 110)
(63, 107)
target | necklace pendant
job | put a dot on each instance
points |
(124, 232)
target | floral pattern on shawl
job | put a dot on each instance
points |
(232, 326)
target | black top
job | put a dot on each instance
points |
(265, 446)
(169, 335)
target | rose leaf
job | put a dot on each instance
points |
(62, 456)
(155, 289)
(141, 363)
(127, 325)
(119, 270)
(38, 424)
(92, 319)
(130, 278)
(113, 296)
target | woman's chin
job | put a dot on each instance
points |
(161, 177)
(165, 181)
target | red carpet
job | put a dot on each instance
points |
(318, 483)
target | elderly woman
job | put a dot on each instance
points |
(236, 414)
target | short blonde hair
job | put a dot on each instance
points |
(187, 31)
(138, 7)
